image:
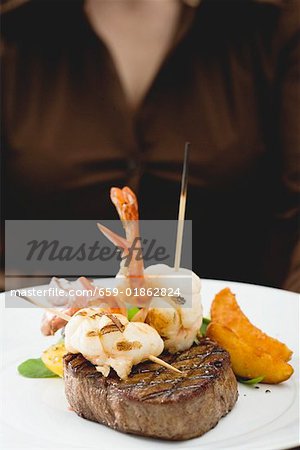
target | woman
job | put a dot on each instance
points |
(103, 92)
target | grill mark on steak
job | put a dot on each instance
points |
(150, 374)
(183, 383)
(154, 401)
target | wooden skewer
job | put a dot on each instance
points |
(163, 363)
(67, 318)
(182, 204)
(51, 310)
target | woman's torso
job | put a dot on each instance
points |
(69, 134)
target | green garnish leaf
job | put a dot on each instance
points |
(250, 381)
(132, 312)
(35, 368)
(205, 323)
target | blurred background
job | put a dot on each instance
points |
(102, 93)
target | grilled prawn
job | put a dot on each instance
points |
(110, 340)
(177, 320)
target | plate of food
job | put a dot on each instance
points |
(210, 364)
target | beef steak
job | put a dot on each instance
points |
(155, 401)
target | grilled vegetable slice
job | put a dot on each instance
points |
(53, 358)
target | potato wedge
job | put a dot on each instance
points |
(53, 358)
(226, 311)
(248, 361)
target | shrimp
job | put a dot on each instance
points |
(177, 324)
(111, 341)
(71, 303)
(132, 265)
(126, 204)
(178, 318)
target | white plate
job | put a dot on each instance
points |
(35, 413)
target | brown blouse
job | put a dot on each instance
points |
(229, 85)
